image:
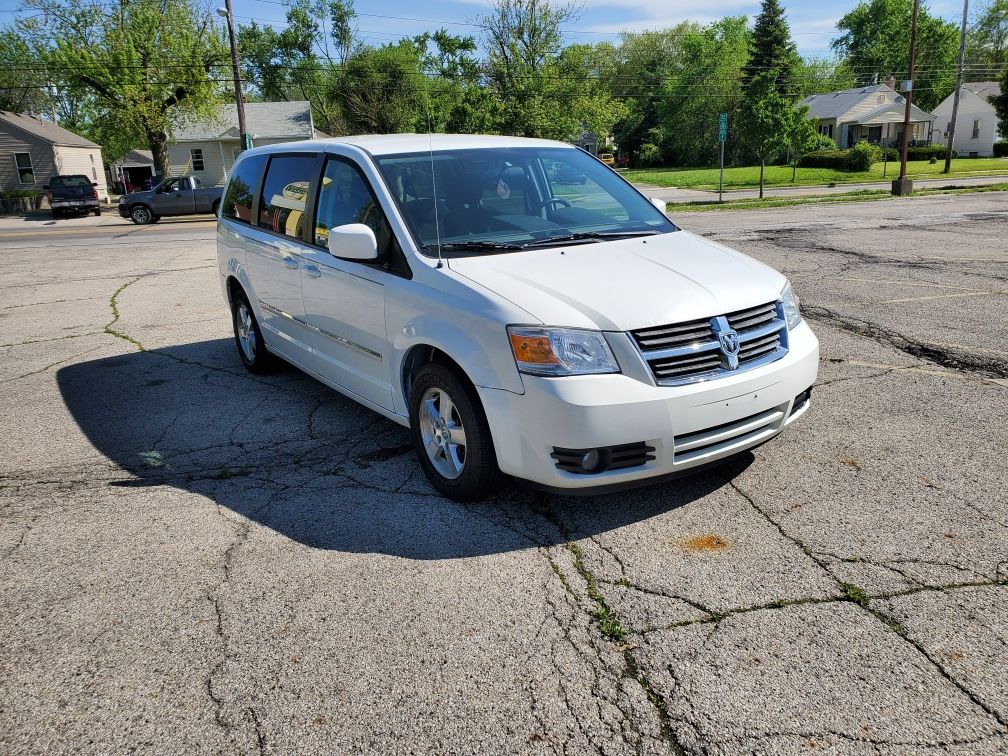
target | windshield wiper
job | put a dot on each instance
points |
(589, 236)
(473, 245)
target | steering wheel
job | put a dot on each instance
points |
(552, 201)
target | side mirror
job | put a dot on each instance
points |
(660, 204)
(353, 241)
(94, 183)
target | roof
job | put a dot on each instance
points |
(264, 120)
(984, 88)
(835, 104)
(893, 112)
(390, 144)
(46, 130)
(143, 157)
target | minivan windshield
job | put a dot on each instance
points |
(503, 199)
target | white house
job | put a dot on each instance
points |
(32, 151)
(976, 122)
(208, 149)
(873, 113)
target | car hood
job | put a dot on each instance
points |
(140, 195)
(626, 284)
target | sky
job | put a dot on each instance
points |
(813, 22)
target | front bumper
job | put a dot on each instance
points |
(687, 426)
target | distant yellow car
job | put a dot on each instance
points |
(608, 158)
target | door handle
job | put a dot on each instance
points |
(311, 270)
(290, 262)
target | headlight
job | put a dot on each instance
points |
(560, 351)
(790, 301)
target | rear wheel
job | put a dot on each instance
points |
(57, 214)
(248, 337)
(451, 435)
(97, 212)
(215, 207)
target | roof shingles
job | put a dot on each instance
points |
(264, 120)
(46, 130)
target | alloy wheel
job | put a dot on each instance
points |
(246, 332)
(443, 433)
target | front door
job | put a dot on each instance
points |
(273, 255)
(175, 197)
(345, 299)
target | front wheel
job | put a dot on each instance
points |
(141, 215)
(451, 435)
(97, 212)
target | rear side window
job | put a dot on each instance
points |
(237, 202)
(284, 193)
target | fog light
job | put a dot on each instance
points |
(590, 460)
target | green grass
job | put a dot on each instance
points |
(780, 175)
(857, 195)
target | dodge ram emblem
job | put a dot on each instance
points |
(730, 346)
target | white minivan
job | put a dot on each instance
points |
(514, 302)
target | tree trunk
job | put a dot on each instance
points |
(794, 168)
(158, 143)
(761, 163)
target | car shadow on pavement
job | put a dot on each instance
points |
(287, 452)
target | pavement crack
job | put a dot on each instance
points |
(988, 365)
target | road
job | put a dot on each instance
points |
(199, 560)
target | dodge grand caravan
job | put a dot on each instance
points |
(567, 334)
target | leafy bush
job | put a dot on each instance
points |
(861, 156)
(822, 142)
(17, 193)
(824, 159)
(936, 151)
(649, 155)
(1001, 148)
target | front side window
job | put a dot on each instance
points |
(197, 159)
(345, 197)
(237, 202)
(285, 191)
(26, 173)
(499, 199)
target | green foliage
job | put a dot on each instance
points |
(987, 37)
(876, 43)
(1001, 148)
(861, 156)
(928, 152)
(22, 76)
(150, 66)
(771, 48)
(814, 75)
(1000, 102)
(766, 119)
(649, 155)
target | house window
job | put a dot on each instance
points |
(881, 99)
(976, 129)
(26, 173)
(196, 157)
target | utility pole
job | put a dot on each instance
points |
(903, 185)
(955, 99)
(227, 13)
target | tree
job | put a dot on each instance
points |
(382, 90)
(876, 43)
(987, 40)
(766, 119)
(815, 75)
(523, 40)
(24, 86)
(1000, 102)
(770, 47)
(801, 136)
(151, 66)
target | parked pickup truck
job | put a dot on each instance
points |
(184, 195)
(72, 194)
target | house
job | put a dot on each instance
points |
(976, 121)
(133, 169)
(873, 113)
(208, 149)
(32, 151)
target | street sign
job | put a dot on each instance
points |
(723, 127)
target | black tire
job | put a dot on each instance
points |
(258, 359)
(215, 207)
(57, 214)
(155, 218)
(479, 477)
(141, 215)
(97, 212)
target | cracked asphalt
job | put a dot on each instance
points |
(199, 560)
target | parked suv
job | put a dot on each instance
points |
(184, 195)
(569, 335)
(72, 194)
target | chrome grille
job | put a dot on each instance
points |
(691, 351)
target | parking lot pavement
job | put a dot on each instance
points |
(195, 559)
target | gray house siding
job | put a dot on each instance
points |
(86, 161)
(13, 141)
